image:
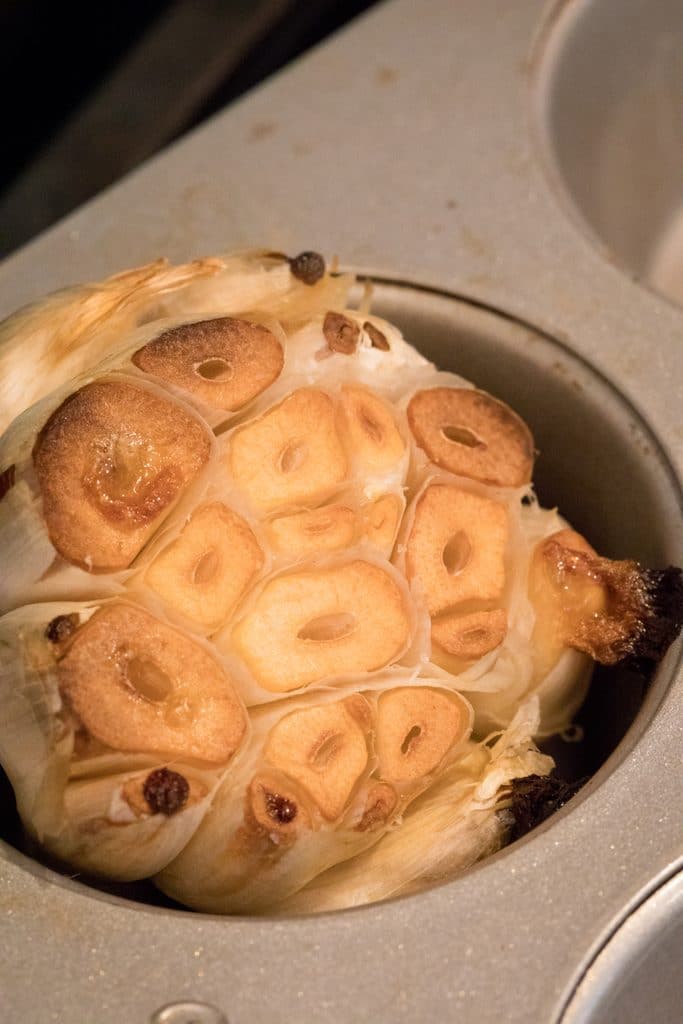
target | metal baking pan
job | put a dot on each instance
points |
(420, 144)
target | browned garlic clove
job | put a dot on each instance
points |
(324, 749)
(472, 434)
(417, 726)
(139, 685)
(341, 333)
(612, 610)
(370, 430)
(382, 520)
(292, 455)
(377, 338)
(380, 804)
(111, 462)
(223, 362)
(469, 637)
(306, 626)
(203, 573)
(322, 529)
(274, 807)
(456, 547)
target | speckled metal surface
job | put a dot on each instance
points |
(408, 145)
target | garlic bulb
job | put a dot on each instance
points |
(270, 581)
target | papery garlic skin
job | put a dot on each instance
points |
(451, 826)
(240, 498)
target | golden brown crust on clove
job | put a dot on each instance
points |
(377, 338)
(456, 547)
(139, 685)
(322, 529)
(204, 572)
(111, 462)
(416, 728)
(472, 434)
(324, 749)
(273, 806)
(382, 519)
(380, 804)
(305, 626)
(470, 636)
(223, 362)
(370, 430)
(290, 456)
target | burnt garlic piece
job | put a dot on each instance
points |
(166, 791)
(308, 267)
(280, 617)
(61, 628)
(615, 611)
(534, 799)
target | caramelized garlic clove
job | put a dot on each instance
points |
(292, 455)
(341, 333)
(471, 434)
(380, 803)
(370, 430)
(324, 749)
(139, 685)
(382, 519)
(129, 826)
(224, 362)
(310, 625)
(417, 727)
(275, 808)
(456, 547)
(204, 572)
(329, 528)
(469, 637)
(111, 462)
(615, 611)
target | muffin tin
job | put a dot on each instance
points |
(421, 144)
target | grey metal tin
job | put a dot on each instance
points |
(409, 145)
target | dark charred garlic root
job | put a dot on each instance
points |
(269, 582)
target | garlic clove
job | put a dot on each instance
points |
(328, 528)
(111, 462)
(370, 430)
(417, 727)
(292, 455)
(204, 572)
(310, 625)
(137, 684)
(456, 547)
(469, 637)
(472, 434)
(324, 749)
(224, 362)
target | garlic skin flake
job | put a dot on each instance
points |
(270, 582)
